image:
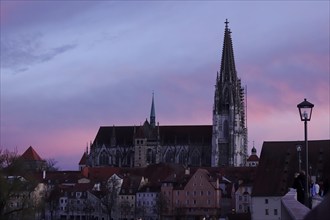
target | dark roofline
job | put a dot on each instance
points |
(279, 161)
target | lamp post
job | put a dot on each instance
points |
(299, 160)
(305, 111)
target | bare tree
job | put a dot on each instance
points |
(16, 186)
(161, 205)
(52, 201)
(51, 165)
(111, 190)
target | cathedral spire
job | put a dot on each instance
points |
(227, 77)
(152, 112)
(227, 69)
(229, 138)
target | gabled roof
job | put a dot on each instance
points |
(131, 184)
(279, 162)
(99, 174)
(83, 159)
(60, 177)
(31, 154)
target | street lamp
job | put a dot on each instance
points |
(305, 111)
(299, 160)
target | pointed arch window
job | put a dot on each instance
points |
(118, 158)
(226, 96)
(104, 158)
(183, 157)
(149, 156)
(225, 129)
(195, 158)
(169, 157)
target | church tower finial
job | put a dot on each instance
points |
(152, 112)
(226, 22)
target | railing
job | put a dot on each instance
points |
(291, 209)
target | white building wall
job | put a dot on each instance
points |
(243, 199)
(266, 208)
(146, 201)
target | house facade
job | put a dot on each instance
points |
(193, 195)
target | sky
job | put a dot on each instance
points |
(69, 67)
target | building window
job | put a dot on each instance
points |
(245, 198)
(275, 211)
(266, 201)
(266, 212)
(103, 159)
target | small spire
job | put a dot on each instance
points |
(152, 112)
(253, 150)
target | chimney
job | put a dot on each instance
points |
(187, 171)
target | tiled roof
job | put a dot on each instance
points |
(131, 184)
(201, 134)
(99, 174)
(30, 154)
(58, 177)
(279, 162)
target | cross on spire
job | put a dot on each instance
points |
(226, 22)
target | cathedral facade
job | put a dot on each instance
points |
(222, 144)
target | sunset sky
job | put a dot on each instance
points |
(69, 67)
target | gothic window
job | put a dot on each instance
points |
(118, 158)
(195, 158)
(226, 95)
(182, 158)
(220, 125)
(149, 156)
(169, 157)
(226, 129)
(103, 159)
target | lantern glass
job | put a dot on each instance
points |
(305, 110)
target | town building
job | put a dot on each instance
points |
(222, 144)
(148, 204)
(192, 195)
(31, 161)
(243, 198)
(279, 161)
